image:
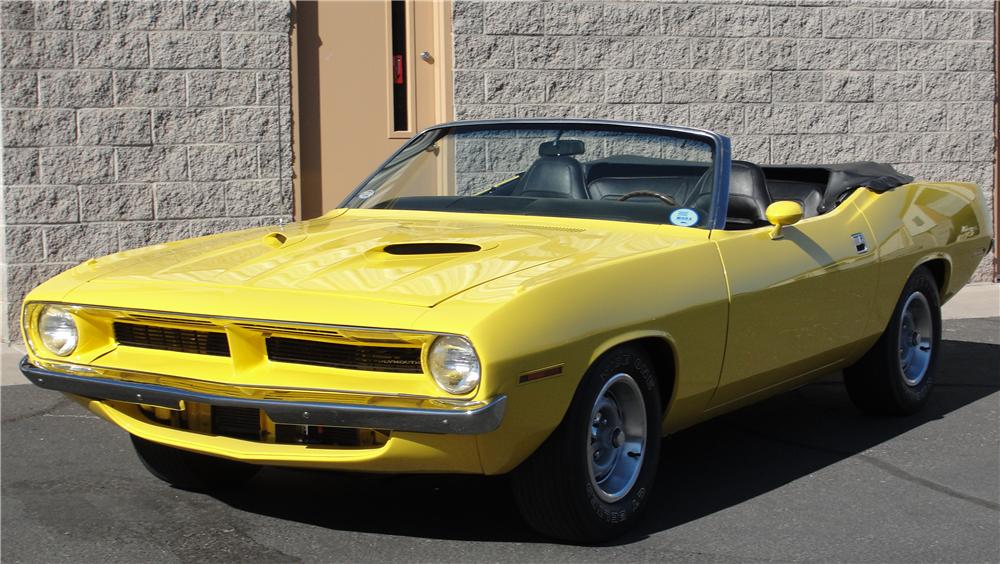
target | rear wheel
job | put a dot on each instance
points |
(190, 470)
(592, 477)
(896, 376)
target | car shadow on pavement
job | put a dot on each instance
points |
(705, 469)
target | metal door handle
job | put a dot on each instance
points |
(426, 56)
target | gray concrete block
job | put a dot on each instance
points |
(24, 244)
(796, 22)
(724, 118)
(847, 22)
(898, 86)
(846, 148)
(41, 204)
(20, 166)
(223, 162)
(36, 49)
(624, 112)
(823, 54)
(948, 24)
(252, 125)
(114, 127)
(948, 146)
(274, 88)
(484, 51)
(53, 15)
(848, 87)
(545, 52)
(185, 50)
(18, 89)
(795, 149)
(90, 15)
(80, 242)
(896, 24)
(824, 118)
(116, 202)
(873, 118)
(18, 14)
(151, 164)
(689, 20)
(923, 55)
(620, 53)
(631, 86)
(742, 21)
(75, 89)
(134, 234)
(467, 17)
(273, 16)
(513, 87)
(469, 86)
(223, 15)
(255, 51)
(867, 54)
(504, 18)
(970, 56)
(222, 88)
(257, 198)
(970, 116)
(772, 54)
(668, 114)
(725, 53)
(150, 88)
(39, 128)
(76, 165)
(118, 50)
(753, 148)
(982, 25)
(631, 19)
(922, 116)
(571, 87)
(750, 86)
(794, 86)
(188, 125)
(772, 118)
(147, 15)
(181, 200)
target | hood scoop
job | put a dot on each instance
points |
(407, 249)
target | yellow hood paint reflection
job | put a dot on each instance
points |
(344, 255)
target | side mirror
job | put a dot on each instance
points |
(781, 214)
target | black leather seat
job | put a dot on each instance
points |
(555, 173)
(748, 196)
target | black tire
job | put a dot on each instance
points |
(553, 488)
(190, 470)
(877, 383)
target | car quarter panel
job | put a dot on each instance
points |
(669, 287)
(921, 222)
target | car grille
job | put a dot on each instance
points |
(171, 339)
(236, 422)
(356, 357)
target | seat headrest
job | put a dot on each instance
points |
(561, 148)
(748, 196)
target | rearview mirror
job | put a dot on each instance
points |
(781, 214)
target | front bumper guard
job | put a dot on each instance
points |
(458, 420)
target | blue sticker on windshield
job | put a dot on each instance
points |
(685, 217)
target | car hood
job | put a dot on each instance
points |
(386, 257)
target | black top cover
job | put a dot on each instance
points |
(844, 177)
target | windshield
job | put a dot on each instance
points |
(587, 171)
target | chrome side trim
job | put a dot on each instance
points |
(454, 421)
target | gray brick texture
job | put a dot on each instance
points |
(809, 81)
(133, 122)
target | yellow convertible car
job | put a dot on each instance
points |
(545, 298)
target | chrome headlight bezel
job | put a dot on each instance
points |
(57, 330)
(454, 364)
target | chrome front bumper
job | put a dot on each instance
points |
(458, 420)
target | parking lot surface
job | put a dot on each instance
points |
(800, 477)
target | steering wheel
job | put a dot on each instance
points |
(661, 197)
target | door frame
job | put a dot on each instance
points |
(305, 88)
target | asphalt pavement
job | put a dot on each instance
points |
(800, 477)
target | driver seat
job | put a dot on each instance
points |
(555, 173)
(748, 196)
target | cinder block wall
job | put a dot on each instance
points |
(909, 82)
(132, 122)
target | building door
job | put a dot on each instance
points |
(370, 74)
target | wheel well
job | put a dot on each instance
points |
(662, 355)
(939, 269)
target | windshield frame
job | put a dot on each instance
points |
(720, 144)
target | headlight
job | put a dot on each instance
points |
(57, 330)
(454, 364)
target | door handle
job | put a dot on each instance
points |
(426, 56)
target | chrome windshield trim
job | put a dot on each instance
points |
(455, 421)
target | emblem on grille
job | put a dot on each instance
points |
(859, 243)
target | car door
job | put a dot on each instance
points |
(798, 303)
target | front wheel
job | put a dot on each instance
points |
(190, 470)
(896, 376)
(592, 477)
